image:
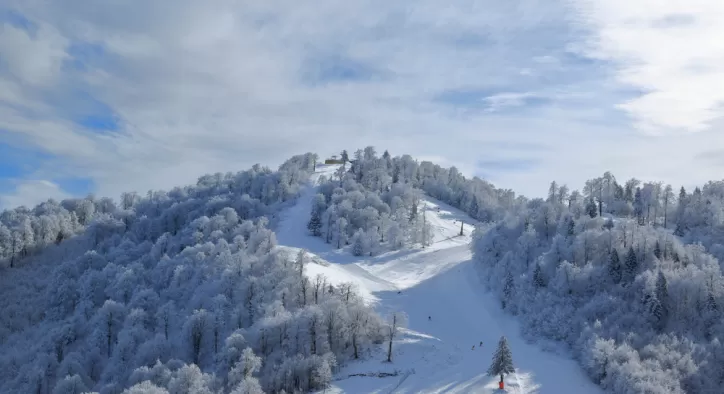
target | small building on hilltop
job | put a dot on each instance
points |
(333, 160)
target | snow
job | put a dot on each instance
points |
(440, 281)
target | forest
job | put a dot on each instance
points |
(185, 291)
(627, 276)
(375, 203)
(178, 292)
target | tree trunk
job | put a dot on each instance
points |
(216, 339)
(392, 336)
(313, 336)
(666, 209)
(389, 351)
(354, 345)
(109, 334)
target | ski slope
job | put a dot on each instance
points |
(440, 281)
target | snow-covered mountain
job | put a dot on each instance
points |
(379, 275)
(448, 311)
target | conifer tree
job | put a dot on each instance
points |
(662, 293)
(615, 270)
(656, 311)
(711, 305)
(571, 227)
(639, 206)
(591, 208)
(358, 244)
(662, 290)
(538, 279)
(632, 264)
(502, 360)
(315, 224)
(508, 288)
(657, 250)
(679, 230)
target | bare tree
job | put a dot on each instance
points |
(395, 321)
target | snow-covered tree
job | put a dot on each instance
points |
(508, 289)
(502, 360)
(248, 365)
(615, 270)
(360, 243)
(315, 225)
(631, 264)
(538, 278)
(591, 208)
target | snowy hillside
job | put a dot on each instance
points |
(449, 313)
(204, 286)
(180, 292)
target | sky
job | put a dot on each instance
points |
(131, 95)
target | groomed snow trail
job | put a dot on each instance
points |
(440, 282)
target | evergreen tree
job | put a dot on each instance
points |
(711, 315)
(711, 305)
(655, 310)
(591, 208)
(662, 288)
(538, 279)
(662, 293)
(502, 360)
(657, 250)
(680, 212)
(615, 271)
(632, 264)
(552, 190)
(315, 224)
(474, 207)
(508, 288)
(685, 260)
(358, 243)
(571, 227)
(679, 230)
(387, 160)
(639, 206)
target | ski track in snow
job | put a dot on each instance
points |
(440, 281)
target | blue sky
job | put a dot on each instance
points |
(105, 98)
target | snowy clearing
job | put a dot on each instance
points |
(433, 355)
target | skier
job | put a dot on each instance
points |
(481, 343)
(473, 348)
(429, 318)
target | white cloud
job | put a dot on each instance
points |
(32, 192)
(201, 87)
(503, 100)
(34, 60)
(673, 50)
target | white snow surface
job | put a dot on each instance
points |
(440, 281)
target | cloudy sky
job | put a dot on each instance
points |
(122, 95)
